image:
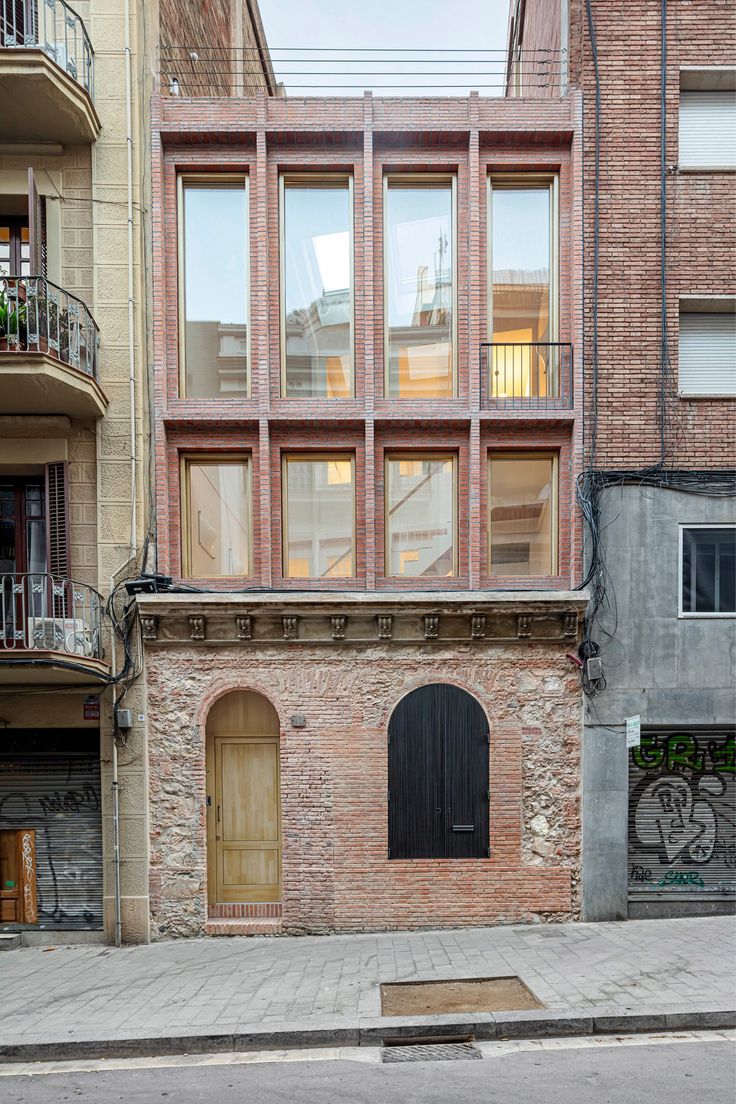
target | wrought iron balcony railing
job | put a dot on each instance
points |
(38, 317)
(526, 376)
(55, 28)
(41, 612)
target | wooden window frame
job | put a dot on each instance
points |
(516, 454)
(325, 180)
(186, 459)
(182, 180)
(423, 454)
(417, 179)
(305, 455)
(508, 181)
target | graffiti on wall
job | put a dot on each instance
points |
(682, 813)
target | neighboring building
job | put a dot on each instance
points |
(74, 103)
(361, 714)
(660, 370)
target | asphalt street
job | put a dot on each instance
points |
(661, 1071)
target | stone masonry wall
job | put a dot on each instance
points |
(336, 875)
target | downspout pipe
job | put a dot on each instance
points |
(131, 285)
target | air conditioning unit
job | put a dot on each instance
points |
(61, 634)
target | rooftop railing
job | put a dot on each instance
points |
(38, 317)
(54, 27)
(207, 70)
(42, 612)
(526, 376)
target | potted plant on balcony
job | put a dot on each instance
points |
(13, 331)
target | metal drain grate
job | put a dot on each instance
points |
(430, 1052)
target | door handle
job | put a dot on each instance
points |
(218, 814)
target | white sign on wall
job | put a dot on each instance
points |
(633, 731)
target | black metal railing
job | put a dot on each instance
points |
(208, 69)
(42, 612)
(54, 27)
(38, 317)
(528, 376)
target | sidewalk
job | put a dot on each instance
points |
(220, 993)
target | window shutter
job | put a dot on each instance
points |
(57, 520)
(707, 130)
(707, 354)
(36, 227)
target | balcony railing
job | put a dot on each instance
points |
(43, 613)
(38, 317)
(55, 28)
(526, 376)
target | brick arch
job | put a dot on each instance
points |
(418, 683)
(228, 686)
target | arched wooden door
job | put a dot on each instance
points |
(243, 800)
(438, 776)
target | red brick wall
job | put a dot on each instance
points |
(336, 873)
(275, 135)
(701, 237)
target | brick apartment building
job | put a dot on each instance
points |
(660, 434)
(367, 433)
(75, 86)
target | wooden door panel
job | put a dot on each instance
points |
(248, 829)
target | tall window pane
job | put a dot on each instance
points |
(218, 518)
(420, 516)
(318, 289)
(419, 244)
(319, 518)
(523, 507)
(522, 363)
(215, 289)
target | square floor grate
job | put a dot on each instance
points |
(430, 1052)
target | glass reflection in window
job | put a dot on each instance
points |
(215, 289)
(420, 516)
(317, 289)
(419, 308)
(218, 519)
(523, 523)
(319, 517)
(523, 362)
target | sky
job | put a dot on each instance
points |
(315, 25)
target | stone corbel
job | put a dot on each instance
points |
(385, 626)
(431, 626)
(477, 626)
(149, 628)
(244, 626)
(570, 624)
(197, 627)
(523, 625)
(337, 626)
(291, 627)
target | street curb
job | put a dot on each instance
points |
(538, 1024)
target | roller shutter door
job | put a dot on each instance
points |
(682, 812)
(57, 793)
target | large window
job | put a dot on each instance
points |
(708, 570)
(523, 288)
(421, 515)
(438, 776)
(319, 517)
(317, 287)
(419, 245)
(522, 494)
(217, 517)
(214, 288)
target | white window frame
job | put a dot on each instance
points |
(689, 614)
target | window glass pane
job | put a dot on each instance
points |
(218, 517)
(522, 509)
(216, 290)
(420, 516)
(4, 251)
(320, 518)
(709, 570)
(317, 290)
(419, 290)
(521, 293)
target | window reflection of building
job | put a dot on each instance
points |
(522, 515)
(420, 516)
(319, 518)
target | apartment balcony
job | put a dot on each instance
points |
(48, 351)
(526, 377)
(50, 631)
(46, 72)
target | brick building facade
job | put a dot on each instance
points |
(305, 664)
(660, 437)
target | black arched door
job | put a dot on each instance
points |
(438, 776)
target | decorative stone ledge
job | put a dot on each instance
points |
(339, 618)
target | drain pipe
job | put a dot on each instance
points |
(131, 286)
(116, 787)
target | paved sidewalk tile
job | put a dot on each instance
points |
(80, 992)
